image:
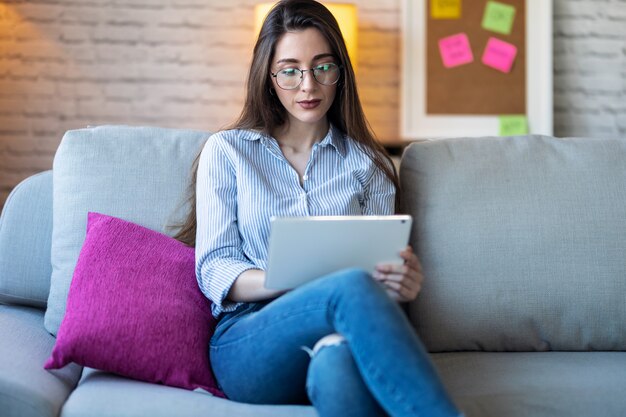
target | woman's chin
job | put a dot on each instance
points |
(309, 117)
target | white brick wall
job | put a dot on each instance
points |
(65, 64)
(590, 68)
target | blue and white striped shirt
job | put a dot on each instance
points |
(244, 179)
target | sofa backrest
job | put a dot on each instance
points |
(25, 236)
(139, 174)
(522, 241)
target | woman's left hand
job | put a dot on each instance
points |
(402, 282)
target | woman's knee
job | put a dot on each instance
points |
(331, 367)
(335, 385)
(353, 279)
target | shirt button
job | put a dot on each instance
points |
(305, 177)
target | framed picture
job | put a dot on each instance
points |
(476, 68)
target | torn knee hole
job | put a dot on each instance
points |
(333, 339)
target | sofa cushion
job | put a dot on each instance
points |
(140, 174)
(522, 242)
(135, 308)
(25, 236)
(26, 389)
(100, 394)
(537, 384)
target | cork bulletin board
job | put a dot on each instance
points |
(475, 88)
(476, 68)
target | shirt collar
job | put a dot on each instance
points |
(335, 137)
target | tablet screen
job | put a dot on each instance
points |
(305, 248)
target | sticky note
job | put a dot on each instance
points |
(499, 55)
(513, 125)
(445, 9)
(498, 17)
(455, 50)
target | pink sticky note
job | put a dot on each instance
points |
(499, 55)
(455, 50)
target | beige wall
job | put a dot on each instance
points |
(66, 64)
(173, 63)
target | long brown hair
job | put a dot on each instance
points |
(263, 111)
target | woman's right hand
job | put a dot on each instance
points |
(250, 287)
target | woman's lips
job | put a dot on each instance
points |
(309, 104)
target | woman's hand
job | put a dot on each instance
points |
(402, 282)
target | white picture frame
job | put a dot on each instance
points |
(416, 124)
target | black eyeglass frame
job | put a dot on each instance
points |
(302, 71)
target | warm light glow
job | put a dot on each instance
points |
(344, 13)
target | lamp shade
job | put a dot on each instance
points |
(345, 14)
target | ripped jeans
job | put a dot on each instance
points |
(259, 352)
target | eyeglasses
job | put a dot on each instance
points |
(291, 78)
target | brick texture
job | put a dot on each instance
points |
(590, 68)
(66, 64)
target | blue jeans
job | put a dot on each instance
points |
(381, 369)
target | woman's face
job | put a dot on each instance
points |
(303, 50)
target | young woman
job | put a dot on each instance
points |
(302, 147)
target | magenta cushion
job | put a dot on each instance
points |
(134, 308)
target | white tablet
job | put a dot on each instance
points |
(305, 248)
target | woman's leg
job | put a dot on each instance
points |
(335, 385)
(259, 358)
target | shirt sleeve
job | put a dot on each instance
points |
(379, 195)
(219, 255)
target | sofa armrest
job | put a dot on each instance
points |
(25, 239)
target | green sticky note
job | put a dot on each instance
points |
(498, 17)
(513, 125)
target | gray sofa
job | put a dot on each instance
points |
(522, 240)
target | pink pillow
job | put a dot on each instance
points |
(134, 308)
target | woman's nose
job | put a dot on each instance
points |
(308, 81)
